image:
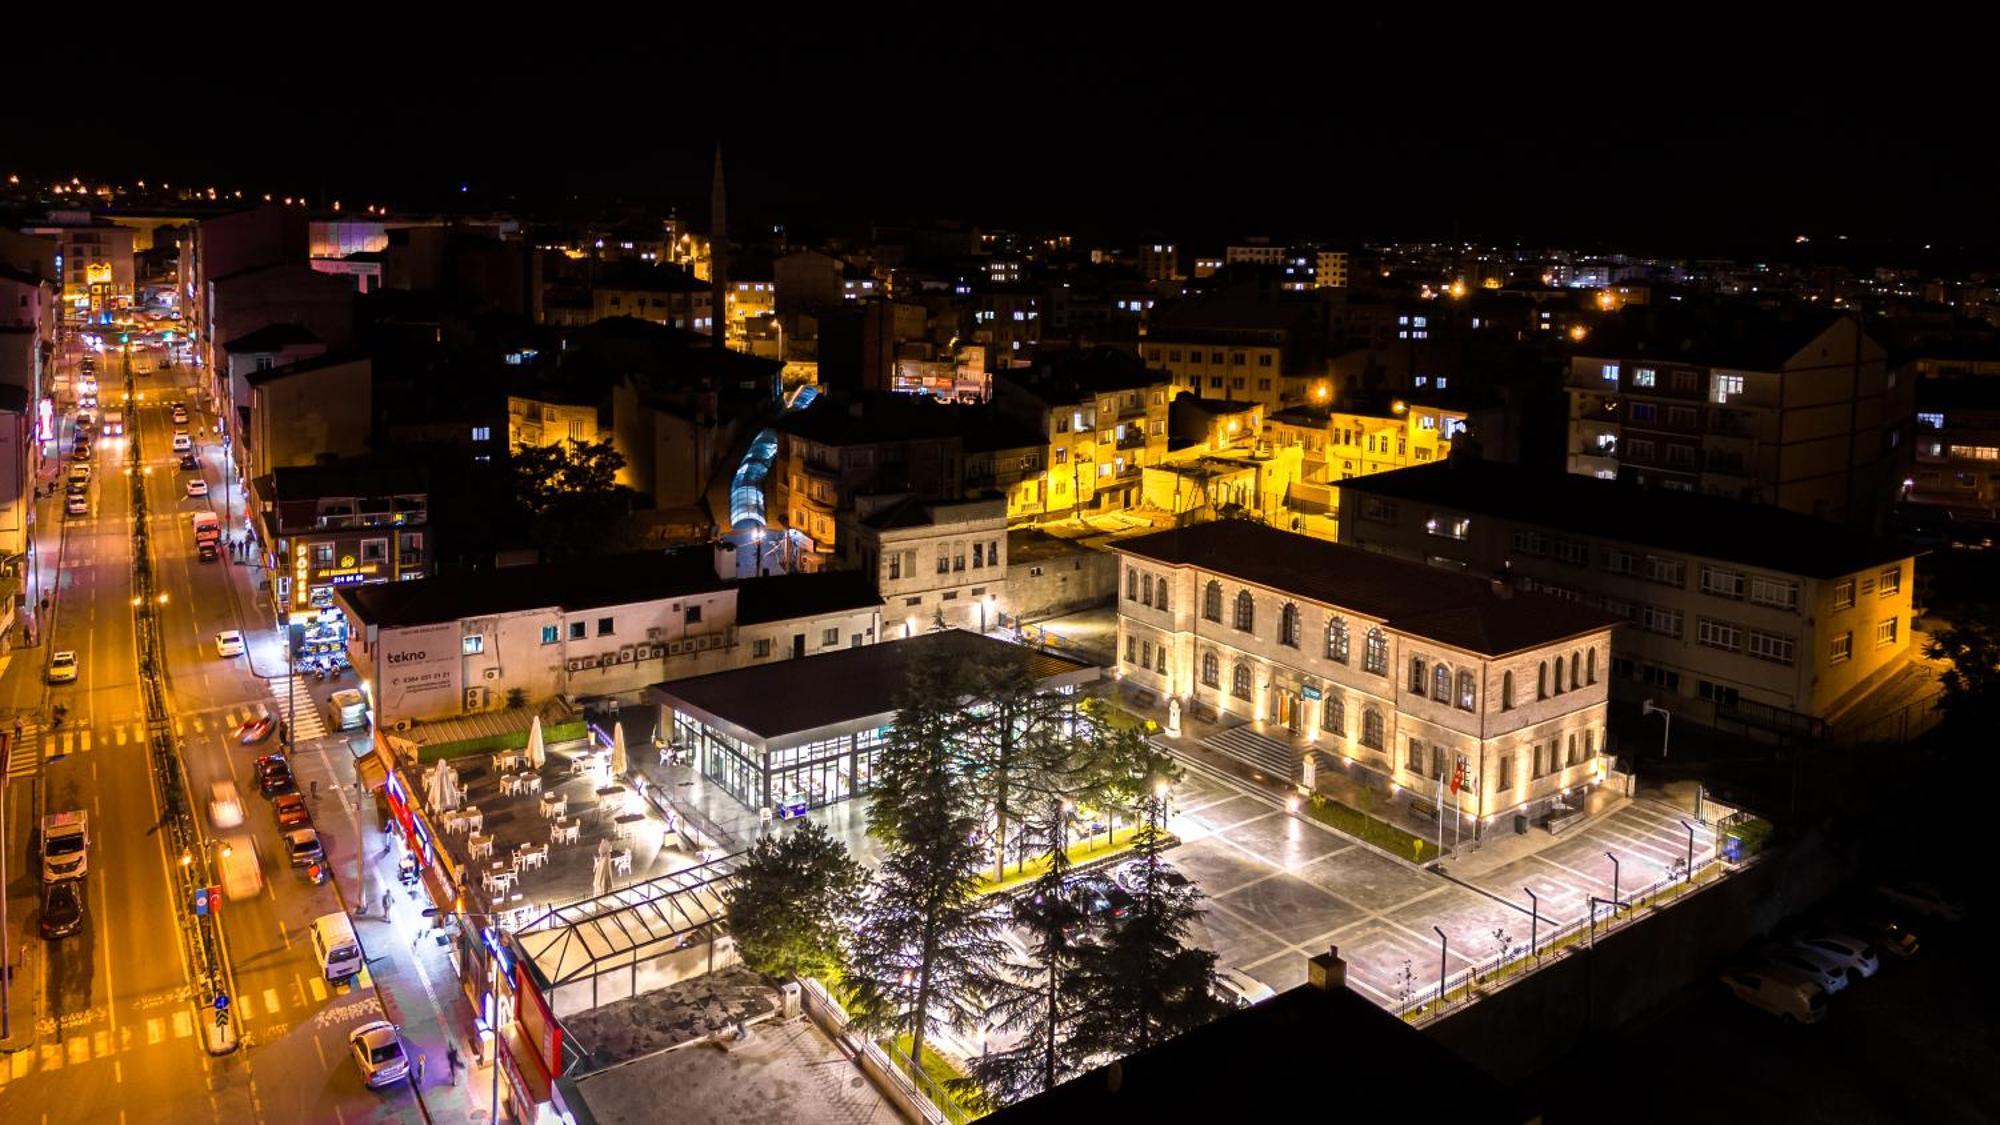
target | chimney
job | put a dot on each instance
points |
(1326, 971)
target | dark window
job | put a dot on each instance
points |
(1246, 612)
(1211, 602)
(1211, 672)
(1240, 684)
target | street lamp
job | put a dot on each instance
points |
(1614, 878)
(1651, 708)
(1690, 855)
(1444, 950)
(1534, 919)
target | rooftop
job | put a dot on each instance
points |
(782, 597)
(1681, 522)
(788, 697)
(1744, 339)
(303, 367)
(271, 338)
(1456, 609)
(1075, 376)
(365, 479)
(630, 276)
(583, 584)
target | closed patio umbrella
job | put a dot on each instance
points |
(617, 750)
(537, 753)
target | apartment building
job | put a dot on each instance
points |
(1379, 663)
(1739, 613)
(932, 562)
(1801, 412)
(1340, 444)
(1104, 418)
(839, 449)
(1330, 269)
(1957, 447)
(1242, 343)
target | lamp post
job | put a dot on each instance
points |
(1690, 855)
(1444, 951)
(1666, 732)
(1614, 879)
(1534, 920)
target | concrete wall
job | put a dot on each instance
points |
(1046, 584)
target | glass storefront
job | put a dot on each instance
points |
(817, 773)
(727, 763)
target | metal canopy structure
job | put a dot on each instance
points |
(584, 940)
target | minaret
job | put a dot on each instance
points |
(718, 257)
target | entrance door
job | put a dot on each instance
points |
(798, 645)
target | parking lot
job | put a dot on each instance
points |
(1281, 888)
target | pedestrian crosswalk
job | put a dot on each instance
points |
(37, 743)
(24, 749)
(295, 701)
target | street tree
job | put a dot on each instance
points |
(928, 946)
(1970, 651)
(793, 902)
(570, 490)
(1141, 982)
(1040, 1001)
(1021, 750)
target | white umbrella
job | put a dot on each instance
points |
(617, 749)
(454, 794)
(434, 785)
(537, 753)
(600, 875)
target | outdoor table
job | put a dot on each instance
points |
(626, 822)
(475, 821)
(564, 832)
(554, 805)
(506, 760)
(530, 782)
(454, 822)
(531, 855)
(621, 861)
(479, 847)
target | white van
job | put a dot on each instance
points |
(1792, 998)
(334, 943)
(65, 846)
(242, 873)
(349, 709)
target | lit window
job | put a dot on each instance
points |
(482, 433)
(1610, 372)
(1721, 387)
(1643, 377)
(474, 644)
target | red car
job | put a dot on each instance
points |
(291, 811)
(254, 731)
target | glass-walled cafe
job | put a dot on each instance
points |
(798, 734)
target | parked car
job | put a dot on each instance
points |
(1238, 989)
(1127, 875)
(1884, 932)
(189, 462)
(229, 643)
(291, 811)
(180, 415)
(1789, 998)
(1806, 965)
(62, 909)
(1851, 953)
(225, 807)
(274, 775)
(197, 487)
(62, 667)
(182, 442)
(79, 474)
(1926, 899)
(303, 847)
(378, 1053)
(76, 504)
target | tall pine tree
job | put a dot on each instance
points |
(793, 902)
(1040, 1001)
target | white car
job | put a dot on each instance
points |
(1796, 1001)
(62, 667)
(378, 1052)
(1807, 965)
(197, 487)
(1855, 954)
(1923, 898)
(182, 442)
(1240, 989)
(225, 807)
(228, 643)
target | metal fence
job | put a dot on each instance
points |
(1421, 1004)
(1910, 721)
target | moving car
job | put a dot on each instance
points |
(1852, 953)
(229, 643)
(197, 487)
(62, 909)
(303, 846)
(180, 415)
(188, 462)
(225, 807)
(76, 504)
(62, 667)
(65, 846)
(255, 731)
(1925, 899)
(242, 874)
(378, 1053)
(182, 442)
(1793, 1000)
(114, 423)
(1807, 965)
(1238, 989)
(291, 811)
(274, 775)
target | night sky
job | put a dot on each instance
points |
(1692, 132)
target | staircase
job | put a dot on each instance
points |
(1275, 757)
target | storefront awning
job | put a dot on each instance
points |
(372, 770)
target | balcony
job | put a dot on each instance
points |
(1135, 438)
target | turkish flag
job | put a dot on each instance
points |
(1457, 776)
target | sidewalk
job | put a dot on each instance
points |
(413, 975)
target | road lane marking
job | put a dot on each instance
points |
(271, 1005)
(362, 980)
(84, 738)
(120, 732)
(52, 1056)
(318, 987)
(156, 1030)
(183, 1025)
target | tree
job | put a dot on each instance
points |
(570, 490)
(1142, 983)
(1971, 677)
(793, 901)
(1041, 1001)
(1021, 748)
(928, 946)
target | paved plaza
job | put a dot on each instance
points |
(1281, 888)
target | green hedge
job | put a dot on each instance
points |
(1361, 826)
(506, 740)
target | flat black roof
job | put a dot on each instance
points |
(1460, 610)
(791, 697)
(1692, 523)
(584, 584)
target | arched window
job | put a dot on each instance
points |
(1240, 683)
(1131, 585)
(1246, 611)
(1575, 669)
(1211, 670)
(1590, 667)
(1375, 653)
(1371, 728)
(1542, 681)
(1466, 695)
(1336, 640)
(1333, 716)
(1146, 589)
(1441, 684)
(1288, 626)
(1160, 593)
(1211, 602)
(1506, 691)
(1418, 682)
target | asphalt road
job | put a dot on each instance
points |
(118, 1039)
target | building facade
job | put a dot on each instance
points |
(1383, 665)
(933, 563)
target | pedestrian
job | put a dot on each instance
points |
(454, 1061)
(420, 1069)
(385, 904)
(315, 789)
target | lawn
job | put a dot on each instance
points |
(937, 1081)
(1361, 826)
(1094, 848)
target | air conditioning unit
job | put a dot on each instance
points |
(674, 648)
(653, 633)
(491, 673)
